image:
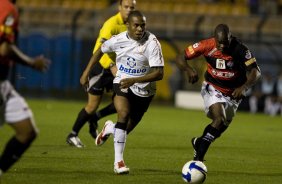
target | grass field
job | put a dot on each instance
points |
(249, 152)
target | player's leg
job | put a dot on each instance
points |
(95, 91)
(123, 109)
(215, 109)
(211, 132)
(105, 82)
(19, 116)
(25, 134)
(138, 106)
(84, 115)
(93, 121)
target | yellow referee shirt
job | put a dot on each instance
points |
(112, 26)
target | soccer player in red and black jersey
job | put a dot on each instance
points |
(13, 108)
(231, 71)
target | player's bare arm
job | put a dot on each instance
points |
(183, 65)
(94, 59)
(156, 74)
(39, 63)
(252, 77)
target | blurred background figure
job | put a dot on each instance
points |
(262, 94)
(13, 108)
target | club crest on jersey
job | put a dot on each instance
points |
(131, 62)
(230, 64)
(220, 64)
(248, 55)
(130, 67)
(9, 20)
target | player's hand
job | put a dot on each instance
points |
(192, 75)
(84, 80)
(126, 83)
(239, 92)
(41, 63)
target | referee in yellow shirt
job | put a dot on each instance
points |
(99, 77)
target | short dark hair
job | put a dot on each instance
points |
(135, 13)
(223, 28)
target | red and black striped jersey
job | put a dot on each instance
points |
(225, 71)
(8, 28)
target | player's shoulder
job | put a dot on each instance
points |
(149, 38)
(207, 44)
(238, 45)
(8, 8)
(113, 20)
(209, 41)
(121, 37)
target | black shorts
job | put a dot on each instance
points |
(138, 105)
(99, 80)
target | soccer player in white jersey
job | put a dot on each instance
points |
(139, 63)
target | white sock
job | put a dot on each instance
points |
(119, 143)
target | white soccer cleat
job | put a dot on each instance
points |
(75, 141)
(103, 135)
(120, 168)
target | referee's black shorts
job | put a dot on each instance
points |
(99, 80)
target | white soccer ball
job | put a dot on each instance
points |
(194, 172)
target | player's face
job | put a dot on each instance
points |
(223, 42)
(136, 27)
(126, 7)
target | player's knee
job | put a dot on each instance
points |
(219, 121)
(91, 108)
(26, 136)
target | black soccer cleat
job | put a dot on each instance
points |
(195, 142)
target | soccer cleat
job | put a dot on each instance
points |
(120, 168)
(194, 142)
(93, 125)
(74, 141)
(102, 137)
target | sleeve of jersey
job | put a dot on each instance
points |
(249, 59)
(8, 29)
(108, 57)
(105, 34)
(195, 50)
(155, 54)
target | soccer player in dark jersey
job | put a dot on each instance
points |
(100, 76)
(14, 109)
(231, 71)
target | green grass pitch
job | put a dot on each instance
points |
(249, 152)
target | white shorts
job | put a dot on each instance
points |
(212, 96)
(13, 107)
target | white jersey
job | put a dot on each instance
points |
(135, 59)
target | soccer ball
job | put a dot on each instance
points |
(194, 172)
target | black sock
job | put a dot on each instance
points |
(121, 125)
(108, 110)
(81, 119)
(12, 152)
(209, 135)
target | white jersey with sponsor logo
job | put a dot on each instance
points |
(135, 59)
